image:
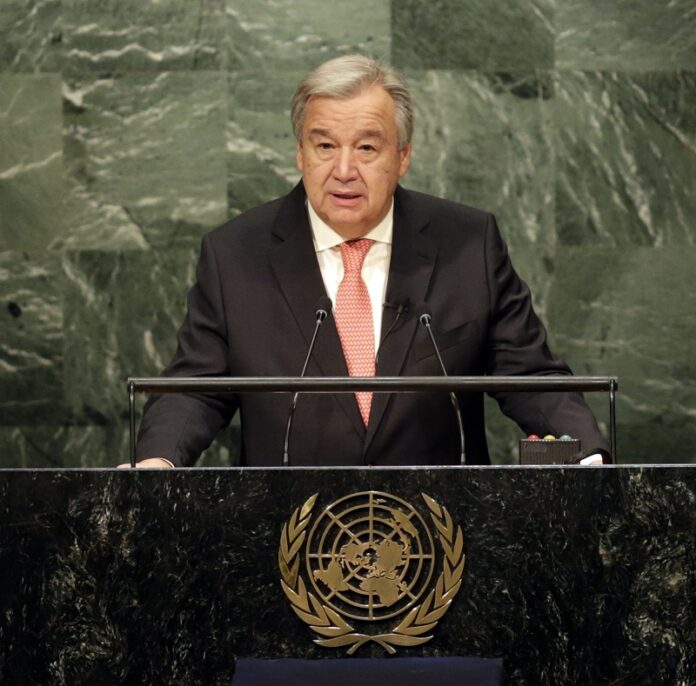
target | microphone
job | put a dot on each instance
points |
(401, 305)
(323, 309)
(424, 314)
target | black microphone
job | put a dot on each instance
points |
(401, 305)
(425, 318)
(323, 309)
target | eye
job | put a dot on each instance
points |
(367, 147)
(324, 146)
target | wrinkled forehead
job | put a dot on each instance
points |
(371, 111)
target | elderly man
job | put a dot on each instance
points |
(350, 232)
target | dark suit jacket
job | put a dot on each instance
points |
(251, 313)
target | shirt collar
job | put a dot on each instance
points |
(325, 237)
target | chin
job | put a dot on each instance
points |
(345, 219)
(348, 228)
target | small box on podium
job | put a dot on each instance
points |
(549, 450)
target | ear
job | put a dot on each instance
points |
(298, 157)
(405, 155)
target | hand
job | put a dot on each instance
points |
(150, 463)
(592, 460)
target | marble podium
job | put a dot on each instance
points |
(574, 575)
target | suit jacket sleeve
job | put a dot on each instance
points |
(518, 345)
(180, 427)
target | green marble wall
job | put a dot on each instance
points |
(128, 129)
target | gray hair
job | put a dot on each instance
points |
(344, 77)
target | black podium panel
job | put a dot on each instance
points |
(405, 671)
(572, 575)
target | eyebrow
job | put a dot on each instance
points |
(371, 133)
(320, 132)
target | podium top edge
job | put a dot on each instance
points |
(291, 384)
(498, 467)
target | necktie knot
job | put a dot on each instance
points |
(354, 252)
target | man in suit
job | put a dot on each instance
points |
(349, 231)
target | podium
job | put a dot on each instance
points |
(573, 575)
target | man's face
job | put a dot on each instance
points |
(350, 160)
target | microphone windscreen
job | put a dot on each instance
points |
(324, 304)
(399, 303)
(423, 308)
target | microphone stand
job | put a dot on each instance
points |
(321, 315)
(425, 320)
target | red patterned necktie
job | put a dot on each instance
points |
(353, 315)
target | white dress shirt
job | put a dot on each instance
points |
(375, 269)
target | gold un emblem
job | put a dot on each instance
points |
(370, 559)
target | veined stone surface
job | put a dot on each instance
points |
(125, 311)
(574, 575)
(30, 35)
(143, 36)
(31, 340)
(31, 171)
(626, 158)
(153, 144)
(473, 34)
(260, 142)
(626, 310)
(629, 35)
(270, 36)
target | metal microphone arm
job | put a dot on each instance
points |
(321, 316)
(425, 320)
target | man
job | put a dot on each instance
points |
(349, 231)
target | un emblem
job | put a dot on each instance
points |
(370, 559)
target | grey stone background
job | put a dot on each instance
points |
(129, 129)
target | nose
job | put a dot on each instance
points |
(344, 165)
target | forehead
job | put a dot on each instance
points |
(371, 108)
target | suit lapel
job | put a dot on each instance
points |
(412, 262)
(294, 263)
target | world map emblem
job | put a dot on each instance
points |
(371, 567)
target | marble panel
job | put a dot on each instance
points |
(486, 140)
(31, 170)
(143, 36)
(96, 223)
(125, 309)
(627, 35)
(473, 34)
(30, 35)
(260, 141)
(626, 158)
(629, 312)
(147, 151)
(31, 341)
(270, 36)
(572, 575)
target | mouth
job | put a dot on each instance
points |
(345, 198)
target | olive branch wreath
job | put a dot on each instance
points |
(335, 632)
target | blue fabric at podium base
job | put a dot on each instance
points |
(404, 671)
